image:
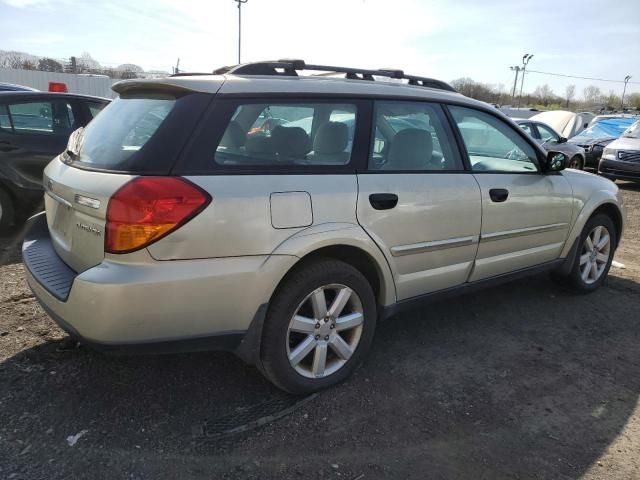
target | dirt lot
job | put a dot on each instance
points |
(519, 381)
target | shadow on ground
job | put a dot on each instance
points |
(519, 381)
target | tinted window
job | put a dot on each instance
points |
(412, 136)
(121, 130)
(5, 123)
(291, 134)
(492, 144)
(546, 134)
(527, 128)
(46, 118)
(95, 108)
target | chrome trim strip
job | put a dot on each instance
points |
(423, 247)
(59, 199)
(87, 201)
(488, 237)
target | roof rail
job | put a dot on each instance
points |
(290, 68)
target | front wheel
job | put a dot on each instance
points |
(597, 245)
(319, 326)
(576, 163)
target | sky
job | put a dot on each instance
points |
(442, 39)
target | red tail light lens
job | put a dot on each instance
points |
(148, 208)
(58, 87)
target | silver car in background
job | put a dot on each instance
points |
(180, 219)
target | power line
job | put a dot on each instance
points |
(581, 78)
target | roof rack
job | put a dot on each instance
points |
(290, 68)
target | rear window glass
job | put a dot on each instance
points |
(314, 134)
(114, 138)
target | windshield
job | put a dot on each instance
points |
(606, 128)
(112, 139)
(633, 131)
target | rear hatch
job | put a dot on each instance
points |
(141, 133)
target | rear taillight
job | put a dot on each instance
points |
(148, 208)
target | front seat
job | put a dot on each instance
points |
(330, 143)
(411, 149)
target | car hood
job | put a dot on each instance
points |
(625, 143)
(581, 180)
(591, 141)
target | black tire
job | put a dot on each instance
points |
(6, 210)
(306, 278)
(574, 280)
(577, 161)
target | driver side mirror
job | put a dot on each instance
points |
(556, 161)
(562, 140)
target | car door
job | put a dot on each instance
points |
(35, 131)
(526, 213)
(530, 129)
(416, 200)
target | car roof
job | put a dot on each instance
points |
(35, 95)
(12, 87)
(229, 84)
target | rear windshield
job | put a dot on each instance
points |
(114, 138)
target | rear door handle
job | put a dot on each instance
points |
(6, 146)
(383, 201)
(498, 194)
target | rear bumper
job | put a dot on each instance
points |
(617, 169)
(154, 306)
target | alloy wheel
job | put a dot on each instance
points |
(324, 331)
(595, 254)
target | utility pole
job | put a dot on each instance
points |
(177, 67)
(240, 2)
(515, 82)
(525, 60)
(626, 80)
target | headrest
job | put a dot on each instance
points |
(411, 149)
(234, 136)
(332, 137)
(259, 144)
(291, 141)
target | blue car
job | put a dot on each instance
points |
(600, 133)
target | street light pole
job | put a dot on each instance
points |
(515, 82)
(626, 80)
(525, 60)
(240, 2)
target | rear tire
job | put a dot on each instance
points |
(319, 327)
(596, 247)
(6, 210)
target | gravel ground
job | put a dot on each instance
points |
(518, 381)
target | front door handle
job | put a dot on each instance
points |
(383, 201)
(498, 194)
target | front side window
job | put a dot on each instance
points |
(46, 118)
(313, 134)
(412, 136)
(527, 128)
(492, 145)
(546, 134)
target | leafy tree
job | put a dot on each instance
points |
(49, 65)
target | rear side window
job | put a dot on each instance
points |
(42, 117)
(118, 134)
(412, 136)
(95, 108)
(5, 122)
(273, 134)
